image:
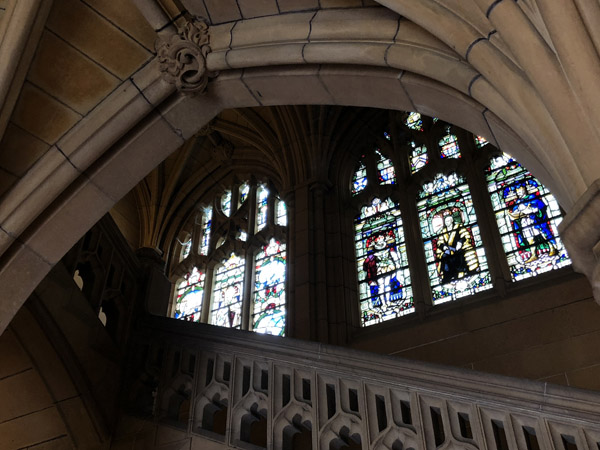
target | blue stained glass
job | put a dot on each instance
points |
(226, 203)
(262, 196)
(206, 227)
(387, 135)
(527, 216)
(455, 256)
(188, 303)
(228, 293)
(385, 288)
(414, 121)
(359, 181)
(449, 146)
(244, 191)
(269, 290)
(387, 175)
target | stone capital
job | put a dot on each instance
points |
(182, 57)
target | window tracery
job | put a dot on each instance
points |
(236, 249)
(454, 244)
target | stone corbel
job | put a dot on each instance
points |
(182, 56)
(580, 231)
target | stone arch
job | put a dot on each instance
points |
(102, 158)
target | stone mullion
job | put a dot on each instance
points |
(490, 235)
(415, 251)
(289, 266)
(248, 295)
(318, 240)
(207, 294)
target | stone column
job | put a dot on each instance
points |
(156, 286)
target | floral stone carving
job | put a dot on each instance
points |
(182, 57)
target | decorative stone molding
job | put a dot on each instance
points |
(246, 390)
(182, 57)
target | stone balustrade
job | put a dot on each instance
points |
(243, 390)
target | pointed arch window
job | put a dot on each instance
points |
(456, 261)
(528, 217)
(427, 248)
(237, 276)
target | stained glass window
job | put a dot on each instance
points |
(262, 195)
(244, 191)
(418, 157)
(188, 303)
(228, 293)
(454, 253)
(385, 290)
(359, 181)
(226, 203)
(281, 217)
(186, 248)
(206, 227)
(385, 168)
(480, 141)
(387, 135)
(414, 121)
(269, 289)
(449, 146)
(527, 216)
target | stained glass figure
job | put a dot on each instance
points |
(281, 218)
(385, 289)
(228, 292)
(262, 196)
(418, 157)
(387, 135)
(269, 289)
(414, 121)
(206, 227)
(449, 146)
(527, 216)
(186, 248)
(244, 191)
(387, 175)
(188, 303)
(359, 181)
(226, 203)
(480, 141)
(454, 253)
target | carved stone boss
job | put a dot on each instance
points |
(182, 57)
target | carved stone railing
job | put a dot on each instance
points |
(252, 391)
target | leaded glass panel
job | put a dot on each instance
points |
(387, 175)
(385, 289)
(226, 308)
(414, 121)
(281, 218)
(206, 227)
(418, 157)
(188, 303)
(226, 203)
(186, 248)
(269, 289)
(449, 146)
(527, 216)
(480, 141)
(454, 251)
(359, 181)
(262, 196)
(244, 191)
